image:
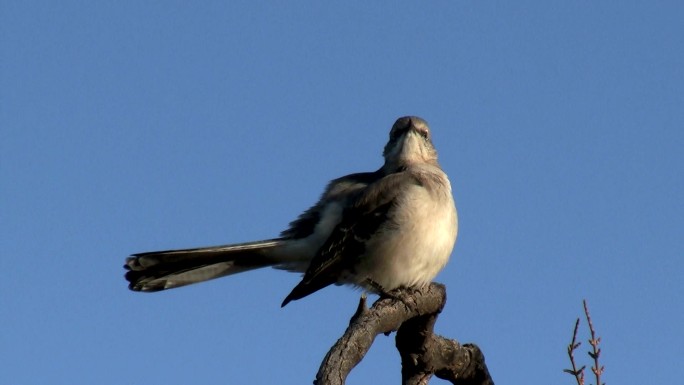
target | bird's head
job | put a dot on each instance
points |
(409, 142)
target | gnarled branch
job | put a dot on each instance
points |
(412, 313)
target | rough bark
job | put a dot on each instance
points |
(412, 313)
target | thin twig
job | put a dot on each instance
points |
(578, 373)
(596, 351)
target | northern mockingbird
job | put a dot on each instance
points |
(395, 227)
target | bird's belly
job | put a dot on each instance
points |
(412, 252)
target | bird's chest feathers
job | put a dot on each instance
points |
(427, 223)
(417, 241)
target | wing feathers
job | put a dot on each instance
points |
(370, 211)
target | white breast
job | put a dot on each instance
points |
(412, 253)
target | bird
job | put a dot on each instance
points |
(378, 231)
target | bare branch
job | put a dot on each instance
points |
(578, 373)
(597, 369)
(594, 341)
(413, 313)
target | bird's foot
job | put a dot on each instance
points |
(404, 295)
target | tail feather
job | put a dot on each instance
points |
(161, 270)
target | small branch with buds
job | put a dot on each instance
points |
(594, 341)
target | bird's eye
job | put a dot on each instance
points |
(424, 133)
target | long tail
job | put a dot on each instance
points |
(161, 270)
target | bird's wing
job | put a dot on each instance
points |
(365, 214)
(340, 189)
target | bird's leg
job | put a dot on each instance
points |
(403, 294)
(377, 288)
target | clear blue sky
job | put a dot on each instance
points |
(137, 126)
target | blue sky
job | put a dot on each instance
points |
(137, 126)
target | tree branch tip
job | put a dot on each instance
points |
(360, 309)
